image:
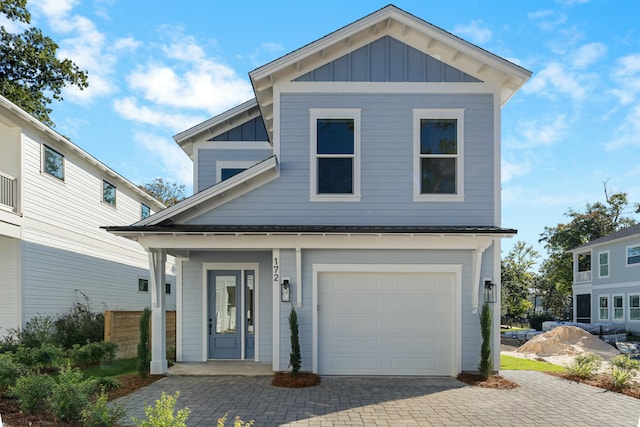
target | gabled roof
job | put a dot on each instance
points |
(625, 233)
(209, 194)
(22, 116)
(394, 22)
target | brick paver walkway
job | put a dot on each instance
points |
(541, 400)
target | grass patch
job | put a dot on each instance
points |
(510, 363)
(112, 369)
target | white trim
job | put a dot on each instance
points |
(608, 264)
(62, 180)
(195, 170)
(231, 164)
(179, 313)
(334, 113)
(438, 113)
(275, 290)
(242, 267)
(497, 165)
(628, 305)
(626, 255)
(608, 307)
(298, 277)
(614, 285)
(613, 307)
(115, 195)
(386, 88)
(456, 269)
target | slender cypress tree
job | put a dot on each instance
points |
(295, 360)
(143, 344)
(486, 320)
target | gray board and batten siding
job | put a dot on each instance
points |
(387, 60)
(386, 166)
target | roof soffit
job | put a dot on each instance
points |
(393, 22)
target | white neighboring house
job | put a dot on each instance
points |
(53, 199)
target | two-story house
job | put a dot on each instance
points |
(361, 186)
(606, 279)
(54, 197)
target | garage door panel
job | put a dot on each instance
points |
(385, 324)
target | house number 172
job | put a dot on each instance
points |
(276, 270)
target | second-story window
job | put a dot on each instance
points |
(52, 162)
(335, 155)
(603, 260)
(108, 193)
(633, 255)
(438, 154)
(145, 211)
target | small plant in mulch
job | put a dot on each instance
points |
(295, 378)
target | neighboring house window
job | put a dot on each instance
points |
(143, 285)
(618, 307)
(108, 193)
(145, 211)
(438, 155)
(335, 155)
(167, 288)
(603, 259)
(604, 307)
(52, 162)
(634, 307)
(633, 255)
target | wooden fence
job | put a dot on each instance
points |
(123, 328)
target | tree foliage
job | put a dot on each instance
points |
(486, 325)
(518, 280)
(597, 220)
(167, 193)
(295, 360)
(30, 72)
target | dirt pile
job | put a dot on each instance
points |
(567, 341)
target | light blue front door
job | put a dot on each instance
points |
(231, 313)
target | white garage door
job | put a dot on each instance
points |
(385, 323)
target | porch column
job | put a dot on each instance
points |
(157, 265)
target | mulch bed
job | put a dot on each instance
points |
(494, 381)
(601, 381)
(304, 379)
(12, 415)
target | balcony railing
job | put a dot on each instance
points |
(582, 277)
(8, 192)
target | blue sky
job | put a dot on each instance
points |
(157, 68)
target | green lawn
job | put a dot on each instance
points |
(510, 363)
(112, 369)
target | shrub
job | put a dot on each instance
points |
(107, 383)
(44, 356)
(69, 394)
(237, 422)
(101, 414)
(92, 353)
(486, 320)
(9, 341)
(623, 361)
(295, 360)
(163, 414)
(32, 391)
(585, 366)
(536, 320)
(10, 371)
(39, 330)
(620, 378)
(143, 344)
(79, 325)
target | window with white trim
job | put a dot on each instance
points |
(634, 307)
(633, 255)
(618, 308)
(109, 193)
(52, 162)
(603, 264)
(438, 138)
(335, 155)
(603, 306)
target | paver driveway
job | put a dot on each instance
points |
(541, 400)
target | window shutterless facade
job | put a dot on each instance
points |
(335, 155)
(438, 140)
(52, 162)
(634, 307)
(603, 305)
(108, 193)
(603, 264)
(633, 255)
(618, 308)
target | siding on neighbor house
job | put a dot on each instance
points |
(471, 339)
(209, 160)
(9, 279)
(619, 272)
(192, 297)
(53, 279)
(387, 60)
(386, 166)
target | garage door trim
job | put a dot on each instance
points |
(456, 269)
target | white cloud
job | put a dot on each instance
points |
(556, 78)
(475, 32)
(129, 109)
(54, 9)
(627, 78)
(537, 132)
(511, 170)
(548, 19)
(588, 54)
(626, 135)
(172, 160)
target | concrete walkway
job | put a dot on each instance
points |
(541, 400)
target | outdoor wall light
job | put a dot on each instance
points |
(285, 291)
(490, 292)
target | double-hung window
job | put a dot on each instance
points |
(52, 162)
(603, 264)
(438, 137)
(603, 304)
(634, 307)
(618, 308)
(633, 255)
(335, 155)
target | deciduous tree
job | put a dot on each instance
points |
(167, 193)
(518, 280)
